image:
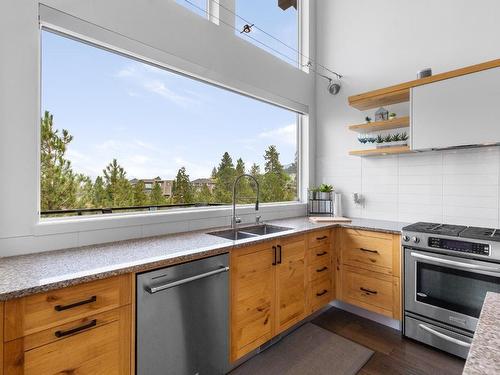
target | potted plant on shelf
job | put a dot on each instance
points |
(368, 119)
(322, 191)
(379, 141)
(325, 191)
(314, 192)
(392, 116)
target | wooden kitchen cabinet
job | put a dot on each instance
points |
(369, 265)
(291, 280)
(85, 329)
(274, 286)
(252, 297)
(1, 337)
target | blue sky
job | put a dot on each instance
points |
(153, 121)
(267, 16)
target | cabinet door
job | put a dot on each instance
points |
(98, 344)
(291, 280)
(1, 338)
(457, 111)
(252, 297)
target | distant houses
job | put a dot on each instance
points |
(167, 185)
(200, 182)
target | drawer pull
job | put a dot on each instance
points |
(368, 290)
(91, 324)
(321, 238)
(321, 254)
(322, 269)
(368, 250)
(76, 304)
(322, 293)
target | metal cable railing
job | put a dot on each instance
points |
(110, 210)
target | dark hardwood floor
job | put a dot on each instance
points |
(394, 354)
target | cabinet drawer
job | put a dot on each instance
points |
(319, 238)
(320, 268)
(373, 251)
(96, 345)
(370, 290)
(99, 344)
(28, 315)
(320, 253)
(321, 292)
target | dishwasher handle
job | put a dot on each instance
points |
(159, 288)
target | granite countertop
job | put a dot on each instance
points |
(28, 274)
(484, 354)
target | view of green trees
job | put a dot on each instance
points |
(64, 189)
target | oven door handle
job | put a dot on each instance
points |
(444, 337)
(455, 263)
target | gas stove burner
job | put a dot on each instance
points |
(435, 228)
(481, 233)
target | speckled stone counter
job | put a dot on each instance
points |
(484, 354)
(378, 225)
(34, 273)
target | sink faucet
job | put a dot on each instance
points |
(236, 220)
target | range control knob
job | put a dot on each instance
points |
(415, 239)
(406, 238)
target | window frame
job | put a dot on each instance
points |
(301, 119)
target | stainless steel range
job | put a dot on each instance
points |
(448, 270)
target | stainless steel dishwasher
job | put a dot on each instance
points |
(182, 319)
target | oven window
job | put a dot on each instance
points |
(455, 290)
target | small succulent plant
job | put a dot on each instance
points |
(368, 119)
(396, 137)
(325, 188)
(404, 136)
(388, 138)
(379, 139)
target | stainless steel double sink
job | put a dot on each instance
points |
(249, 231)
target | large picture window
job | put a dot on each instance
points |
(121, 135)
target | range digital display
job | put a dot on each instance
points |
(462, 246)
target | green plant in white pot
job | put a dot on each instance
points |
(325, 191)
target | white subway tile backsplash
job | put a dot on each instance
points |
(456, 186)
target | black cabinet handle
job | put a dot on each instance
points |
(322, 269)
(321, 293)
(76, 304)
(321, 254)
(321, 238)
(368, 250)
(368, 290)
(91, 324)
(279, 248)
(274, 255)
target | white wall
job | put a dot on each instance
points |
(160, 30)
(380, 43)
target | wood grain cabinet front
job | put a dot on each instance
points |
(37, 312)
(370, 271)
(270, 290)
(291, 282)
(91, 335)
(253, 294)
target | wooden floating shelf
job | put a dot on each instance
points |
(400, 122)
(381, 151)
(401, 93)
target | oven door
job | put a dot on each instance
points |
(448, 289)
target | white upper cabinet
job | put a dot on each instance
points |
(455, 112)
